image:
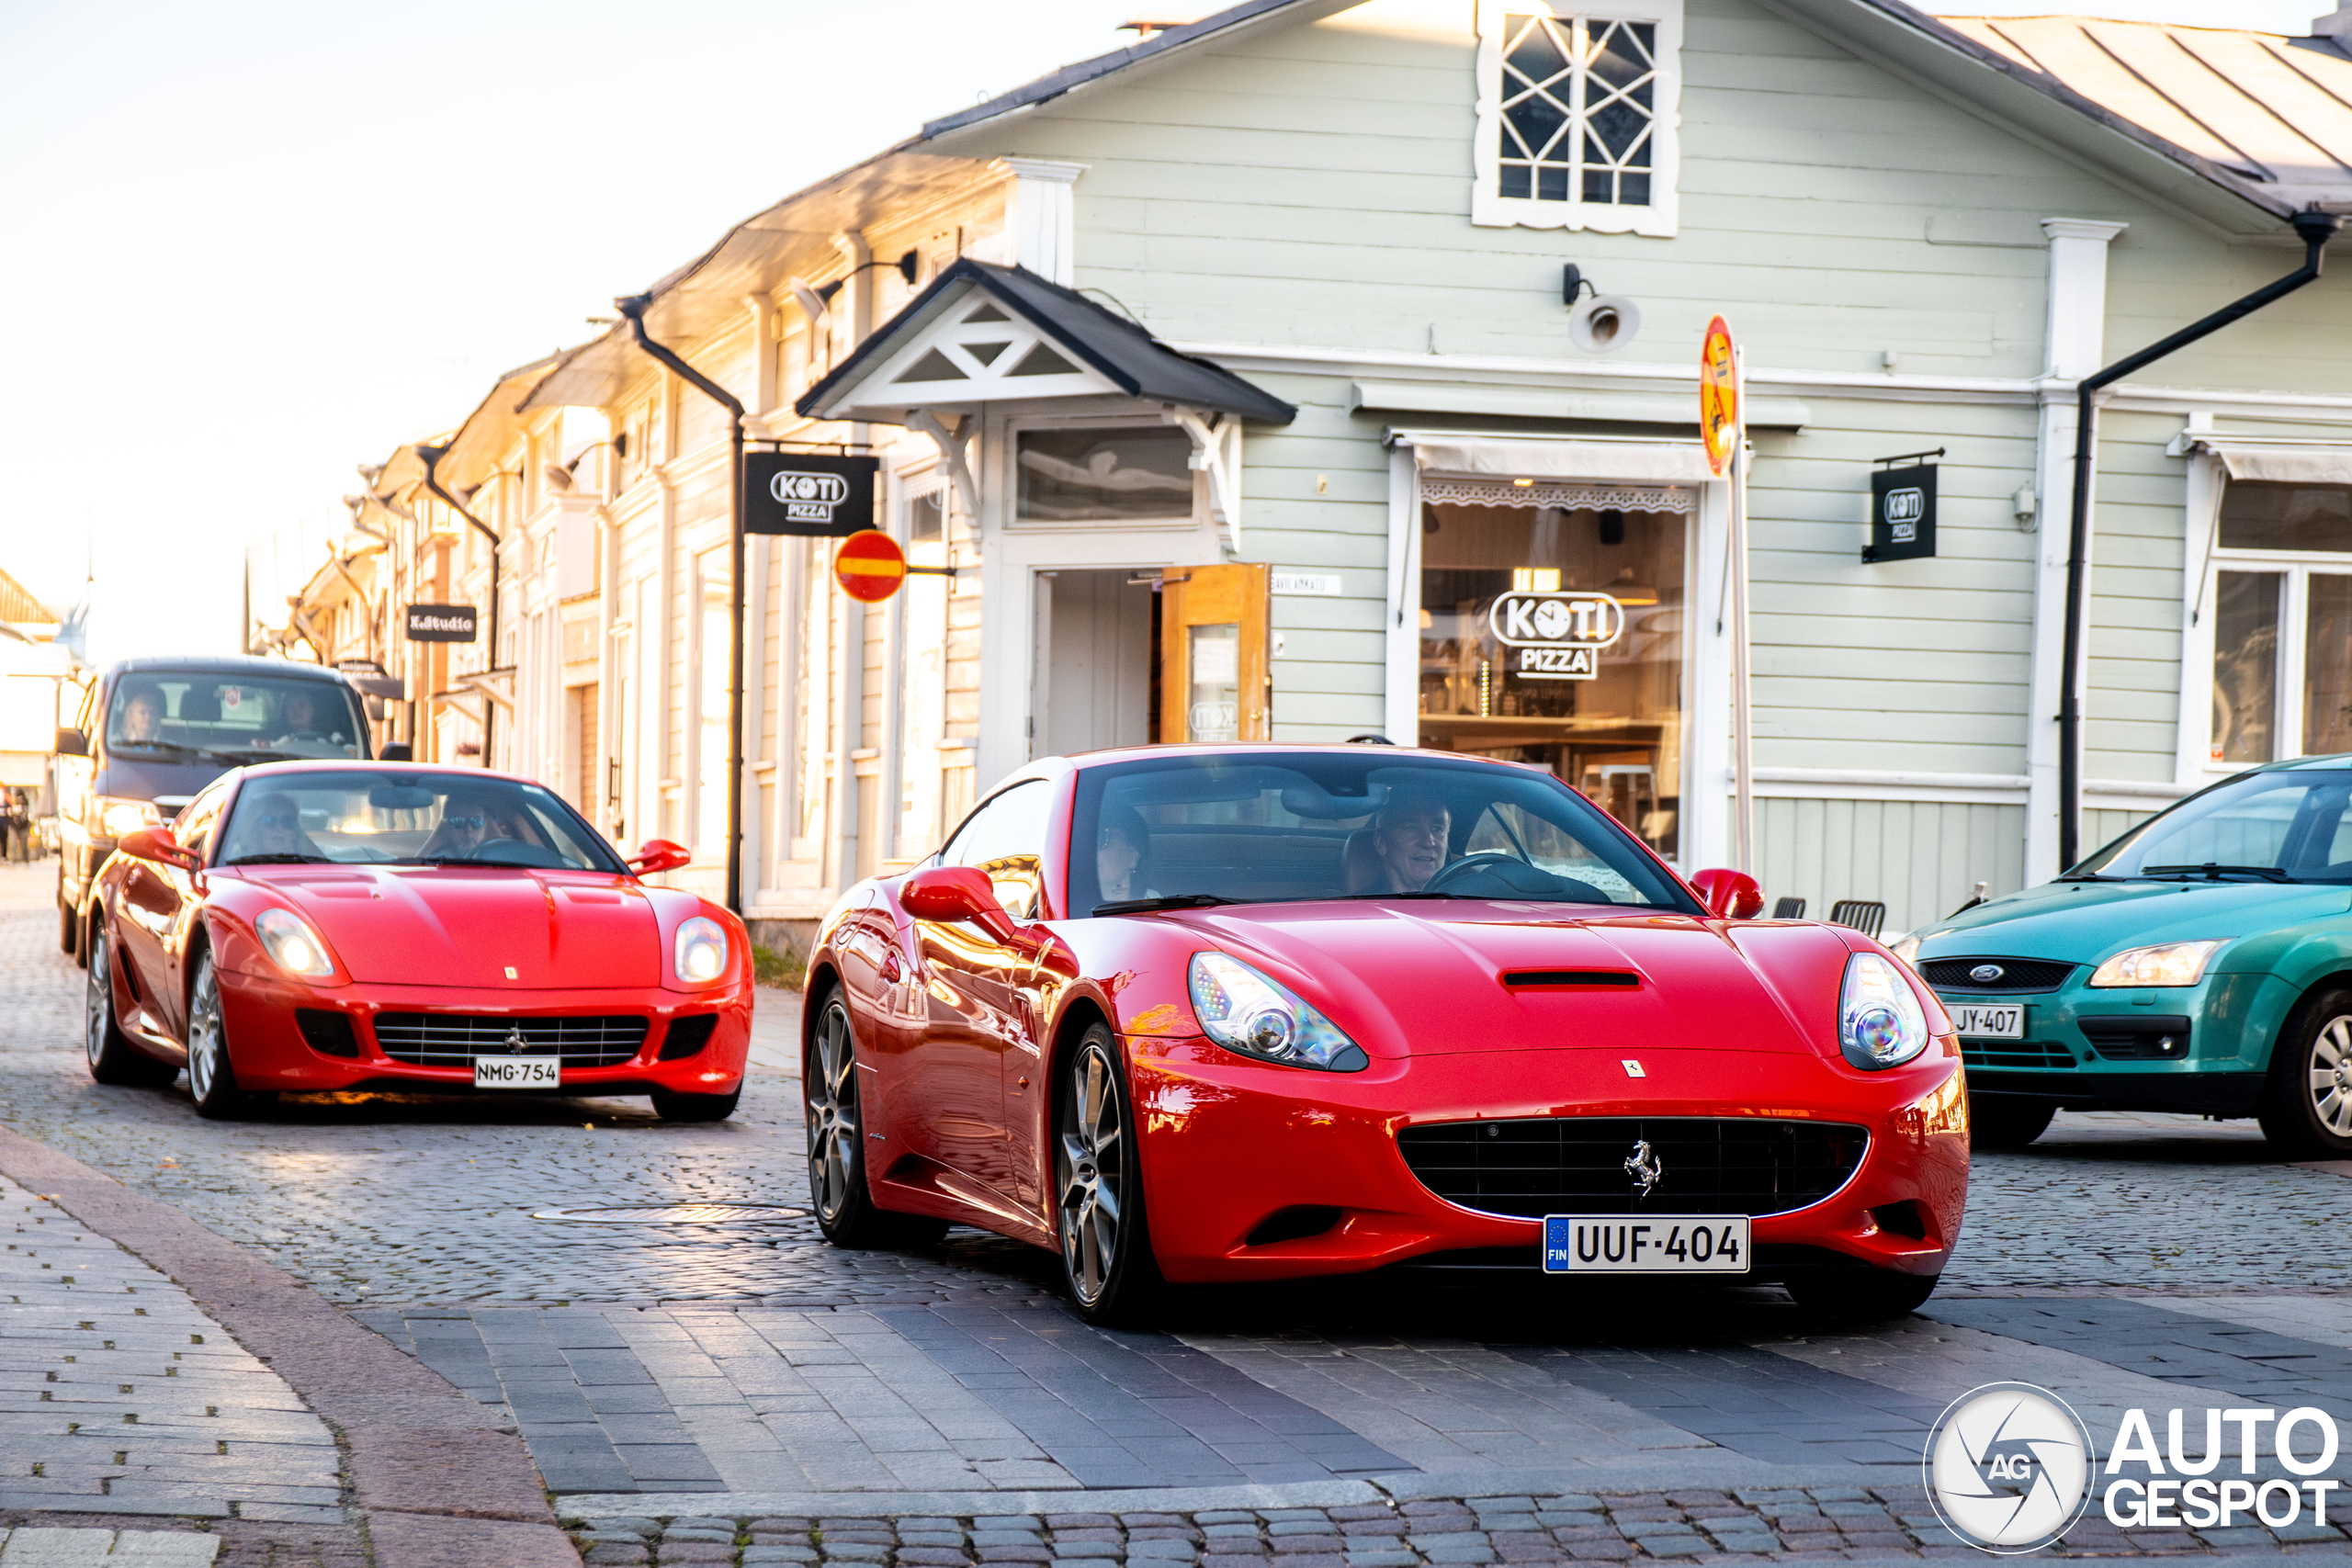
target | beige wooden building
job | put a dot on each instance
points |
(1232, 376)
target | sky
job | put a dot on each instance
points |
(248, 247)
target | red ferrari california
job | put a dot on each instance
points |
(1201, 1014)
(306, 927)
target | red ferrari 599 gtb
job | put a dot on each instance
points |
(313, 925)
(1206, 1014)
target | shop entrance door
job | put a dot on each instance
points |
(1094, 660)
(1213, 684)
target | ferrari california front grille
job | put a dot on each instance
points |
(2016, 977)
(1606, 1165)
(453, 1040)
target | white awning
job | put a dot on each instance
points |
(1525, 457)
(2281, 462)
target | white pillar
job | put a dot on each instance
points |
(1040, 216)
(2076, 334)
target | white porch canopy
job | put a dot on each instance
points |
(2278, 461)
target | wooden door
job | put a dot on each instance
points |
(1215, 685)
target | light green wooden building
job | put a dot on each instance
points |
(1481, 525)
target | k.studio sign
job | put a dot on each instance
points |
(793, 493)
(440, 623)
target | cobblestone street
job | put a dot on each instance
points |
(744, 1392)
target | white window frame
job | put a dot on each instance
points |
(1490, 209)
(2196, 766)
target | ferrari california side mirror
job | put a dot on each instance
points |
(659, 854)
(1730, 895)
(157, 844)
(949, 894)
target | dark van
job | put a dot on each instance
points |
(152, 732)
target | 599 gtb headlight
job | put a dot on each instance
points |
(1880, 1021)
(1244, 1011)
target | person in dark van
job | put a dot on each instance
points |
(152, 732)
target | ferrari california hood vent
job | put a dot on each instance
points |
(1570, 979)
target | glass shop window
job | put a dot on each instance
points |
(1076, 476)
(1553, 635)
(2282, 626)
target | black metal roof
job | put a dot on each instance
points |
(1128, 357)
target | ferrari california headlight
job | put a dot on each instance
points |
(293, 945)
(1880, 1021)
(1244, 1011)
(120, 819)
(700, 952)
(2166, 964)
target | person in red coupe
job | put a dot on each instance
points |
(304, 927)
(1195, 1014)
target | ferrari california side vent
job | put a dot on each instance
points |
(1293, 1224)
(327, 1032)
(1570, 979)
(687, 1036)
(453, 1040)
(1528, 1167)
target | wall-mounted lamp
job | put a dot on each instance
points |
(2025, 506)
(1603, 323)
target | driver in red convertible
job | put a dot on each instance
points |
(1409, 843)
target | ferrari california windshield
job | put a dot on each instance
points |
(1266, 828)
(2290, 825)
(353, 818)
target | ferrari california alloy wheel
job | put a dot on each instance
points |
(2307, 1105)
(211, 1076)
(845, 1208)
(1106, 1247)
(113, 1059)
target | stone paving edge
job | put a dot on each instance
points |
(428, 1464)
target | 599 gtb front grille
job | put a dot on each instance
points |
(453, 1040)
(1587, 1165)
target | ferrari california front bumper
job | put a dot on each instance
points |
(1258, 1172)
(298, 1039)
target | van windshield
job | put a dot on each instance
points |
(233, 718)
(1272, 826)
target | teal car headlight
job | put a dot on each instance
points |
(1880, 1021)
(2166, 964)
(1244, 1011)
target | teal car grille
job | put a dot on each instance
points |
(2015, 1053)
(2013, 977)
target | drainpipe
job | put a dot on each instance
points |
(2316, 229)
(634, 309)
(430, 457)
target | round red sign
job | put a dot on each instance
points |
(870, 566)
(1719, 395)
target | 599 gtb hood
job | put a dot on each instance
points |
(463, 928)
(1437, 978)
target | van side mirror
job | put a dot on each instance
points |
(158, 845)
(397, 751)
(1730, 895)
(658, 855)
(72, 743)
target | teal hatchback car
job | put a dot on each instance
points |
(2201, 962)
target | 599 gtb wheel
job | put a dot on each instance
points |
(113, 1058)
(847, 1211)
(1106, 1245)
(211, 1075)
